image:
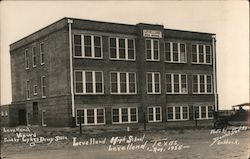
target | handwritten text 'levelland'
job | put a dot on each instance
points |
(226, 133)
(24, 135)
(133, 143)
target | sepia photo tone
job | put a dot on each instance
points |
(127, 79)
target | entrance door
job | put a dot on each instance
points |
(35, 113)
(22, 117)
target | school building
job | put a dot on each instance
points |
(111, 73)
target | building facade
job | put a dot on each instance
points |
(110, 73)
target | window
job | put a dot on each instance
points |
(88, 82)
(27, 59)
(34, 56)
(154, 114)
(122, 48)
(43, 86)
(88, 46)
(2, 113)
(124, 115)
(201, 54)
(175, 52)
(44, 118)
(35, 89)
(42, 53)
(90, 116)
(6, 113)
(123, 82)
(153, 83)
(202, 84)
(28, 89)
(203, 112)
(177, 113)
(176, 83)
(152, 50)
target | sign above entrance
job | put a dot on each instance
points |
(152, 34)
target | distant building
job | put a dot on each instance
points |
(112, 73)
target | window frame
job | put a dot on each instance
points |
(200, 112)
(152, 49)
(126, 48)
(181, 113)
(92, 46)
(84, 83)
(205, 84)
(204, 54)
(27, 59)
(153, 82)
(120, 115)
(42, 59)
(171, 52)
(154, 114)
(43, 86)
(35, 90)
(27, 90)
(34, 57)
(118, 73)
(86, 117)
(172, 83)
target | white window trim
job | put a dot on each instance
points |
(42, 54)
(84, 83)
(200, 118)
(126, 49)
(172, 83)
(95, 116)
(204, 54)
(43, 123)
(92, 47)
(154, 114)
(119, 85)
(152, 50)
(181, 114)
(42, 79)
(26, 53)
(33, 57)
(205, 83)
(27, 90)
(35, 93)
(153, 82)
(179, 52)
(120, 115)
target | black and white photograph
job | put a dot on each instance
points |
(124, 79)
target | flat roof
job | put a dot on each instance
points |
(62, 23)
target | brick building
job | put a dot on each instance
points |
(112, 73)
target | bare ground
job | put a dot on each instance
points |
(198, 140)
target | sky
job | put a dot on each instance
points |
(229, 20)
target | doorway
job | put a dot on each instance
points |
(22, 117)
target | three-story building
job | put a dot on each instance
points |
(110, 73)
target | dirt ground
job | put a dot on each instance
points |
(172, 144)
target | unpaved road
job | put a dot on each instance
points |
(199, 145)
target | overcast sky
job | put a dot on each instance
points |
(229, 20)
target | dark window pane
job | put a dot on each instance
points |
(90, 116)
(208, 54)
(167, 52)
(194, 53)
(168, 83)
(201, 54)
(77, 39)
(177, 113)
(203, 112)
(124, 115)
